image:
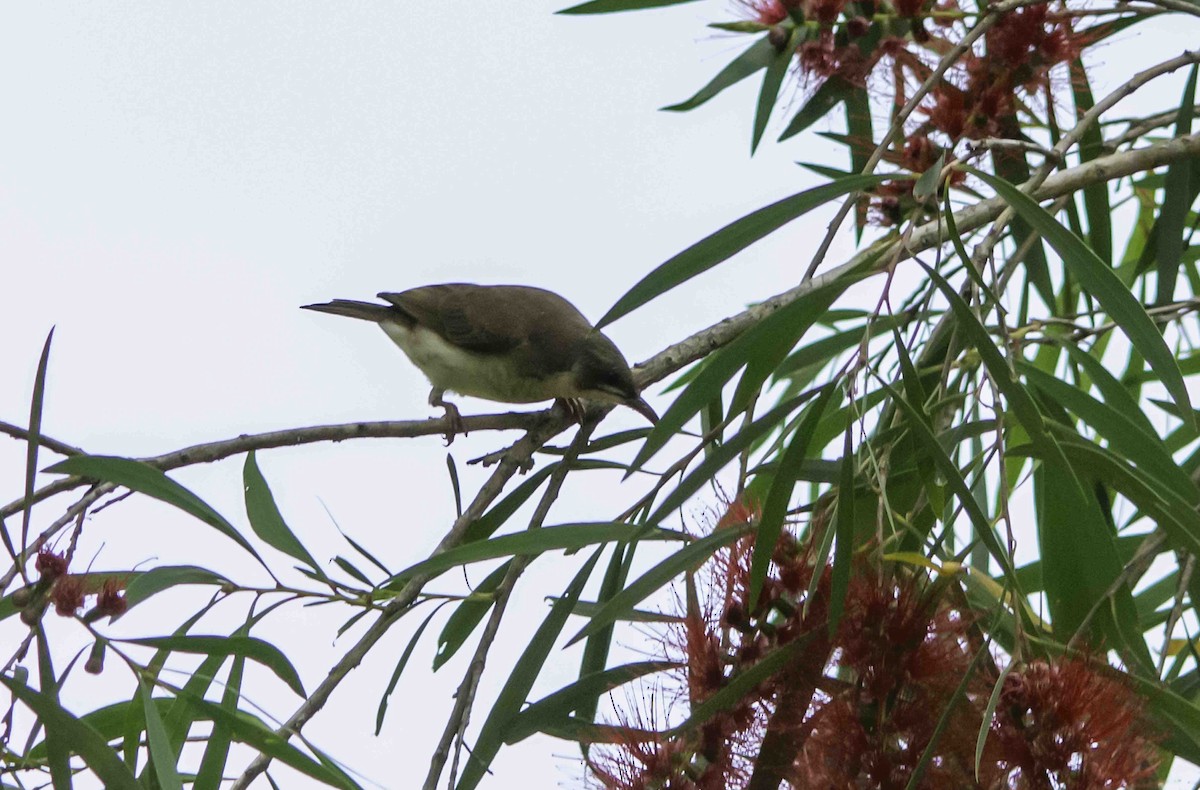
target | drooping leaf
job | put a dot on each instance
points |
(145, 479)
(265, 518)
(250, 647)
(159, 745)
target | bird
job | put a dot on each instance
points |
(506, 343)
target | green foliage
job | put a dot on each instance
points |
(989, 375)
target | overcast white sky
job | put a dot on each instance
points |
(176, 180)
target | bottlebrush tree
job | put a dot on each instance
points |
(957, 531)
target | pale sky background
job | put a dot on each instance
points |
(176, 180)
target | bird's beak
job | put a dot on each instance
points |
(641, 407)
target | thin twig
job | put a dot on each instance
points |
(17, 432)
(464, 699)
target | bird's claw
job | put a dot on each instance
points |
(454, 423)
(573, 407)
(454, 420)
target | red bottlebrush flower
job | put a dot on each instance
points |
(742, 510)
(920, 153)
(766, 12)
(67, 595)
(818, 56)
(858, 27)
(824, 11)
(111, 602)
(948, 113)
(50, 565)
(1069, 723)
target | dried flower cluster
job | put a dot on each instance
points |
(68, 591)
(892, 45)
(860, 707)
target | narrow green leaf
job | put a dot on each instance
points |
(755, 58)
(582, 694)
(1102, 283)
(772, 80)
(452, 470)
(399, 670)
(265, 518)
(249, 730)
(989, 712)
(1123, 434)
(161, 753)
(861, 138)
(352, 571)
(144, 585)
(84, 740)
(145, 479)
(843, 531)
(467, 615)
(250, 647)
(832, 92)
(516, 689)
(779, 495)
(731, 239)
(613, 6)
(532, 542)
(216, 751)
(32, 443)
(595, 650)
(1177, 199)
(927, 186)
(823, 351)
(58, 751)
(1079, 560)
(1116, 394)
(1095, 196)
(1175, 515)
(688, 558)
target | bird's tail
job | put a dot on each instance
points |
(352, 309)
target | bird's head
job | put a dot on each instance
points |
(601, 373)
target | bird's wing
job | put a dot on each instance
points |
(468, 324)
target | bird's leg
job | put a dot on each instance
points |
(452, 416)
(573, 407)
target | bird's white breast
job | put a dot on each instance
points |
(487, 376)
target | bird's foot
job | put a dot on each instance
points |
(454, 420)
(573, 407)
